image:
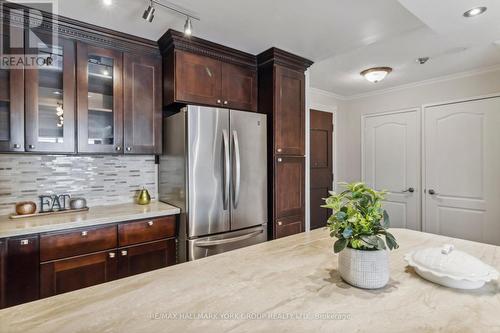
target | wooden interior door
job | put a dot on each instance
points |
(321, 129)
(142, 104)
(289, 119)
(197, 79)
(462, 163)
(391, 162)
(61, 276)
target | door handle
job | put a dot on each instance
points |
(237, 182)
(432, 192)
(227, 166)
(229, 240)
(411, 190)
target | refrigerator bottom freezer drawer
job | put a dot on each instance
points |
(208, 246)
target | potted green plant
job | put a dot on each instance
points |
(360, 225)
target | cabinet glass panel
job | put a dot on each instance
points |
(4, 105)
(50, 97)
(100, 100)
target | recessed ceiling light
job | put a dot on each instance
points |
(376, 74)
(475, 11)
(107, 2)
(422, 60)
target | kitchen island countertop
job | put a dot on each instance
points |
(94, 216)
(290, 284)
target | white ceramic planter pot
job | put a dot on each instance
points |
(364, 269)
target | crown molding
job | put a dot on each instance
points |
(327, 93)
(438, 79)
(283, 58)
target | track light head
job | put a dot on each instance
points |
(188, 27)
(149, 13)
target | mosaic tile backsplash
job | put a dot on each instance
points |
(102, 180)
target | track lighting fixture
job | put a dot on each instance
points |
(149, 13)
(188, 25)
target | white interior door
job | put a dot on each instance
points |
(391, 161)
(462, 170)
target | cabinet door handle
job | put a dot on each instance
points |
(280, 160)
(129, 148)
(219, 101)
(16, 146)
(225, 102)
(124, 253)
(24, 242)
(150, 223)
(118, 148)
(112, 254)
(279, 150)
(31, 146)
(280, 223)
(84, 233)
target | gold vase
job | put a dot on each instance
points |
(144, 197)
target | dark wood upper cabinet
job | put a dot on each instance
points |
(11, 106)
(146, 257)
(50, 100)
(197, 79)
(99, 99)
(239, 87)
(290, 112)
(196, 71)
(22, 270)
(142, 116)
(66, 275)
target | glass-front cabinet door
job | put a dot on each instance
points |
(11, 106)
(50, 99)
(100, 100)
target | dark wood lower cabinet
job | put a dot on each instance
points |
(3, 252)
(146, 257)
(288, 226)
(61, 276)
(22, 270)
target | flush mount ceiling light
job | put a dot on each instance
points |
(475, 11)
(148, 14)
(376, 74)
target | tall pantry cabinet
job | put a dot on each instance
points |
(282, 98)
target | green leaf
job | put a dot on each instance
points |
(381, 244)
(386, 220)
(391, 241)
(339, 245)
(341, 216)
(372, 240)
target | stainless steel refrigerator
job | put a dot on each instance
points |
(214, 167)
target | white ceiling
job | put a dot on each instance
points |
(343, 37)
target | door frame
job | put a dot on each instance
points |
(333, 111)
(420, 182)
(422, 143)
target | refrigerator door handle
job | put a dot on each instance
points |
(227, 167)
(237, 157)
(229, 240)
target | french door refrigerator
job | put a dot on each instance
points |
(214, 167)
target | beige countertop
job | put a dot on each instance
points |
(94, 216)
(294, 276)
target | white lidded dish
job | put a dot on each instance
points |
(451, 268)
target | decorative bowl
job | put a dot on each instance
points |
(25, 208)
(78, 203)
(451, 268)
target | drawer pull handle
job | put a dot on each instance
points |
(279, 150)
(280, 160)
(24, 242)
(280, 223)
(124, 253)
(150, 223)
(111, 254)
(84, 233)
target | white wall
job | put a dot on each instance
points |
(439, 90)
